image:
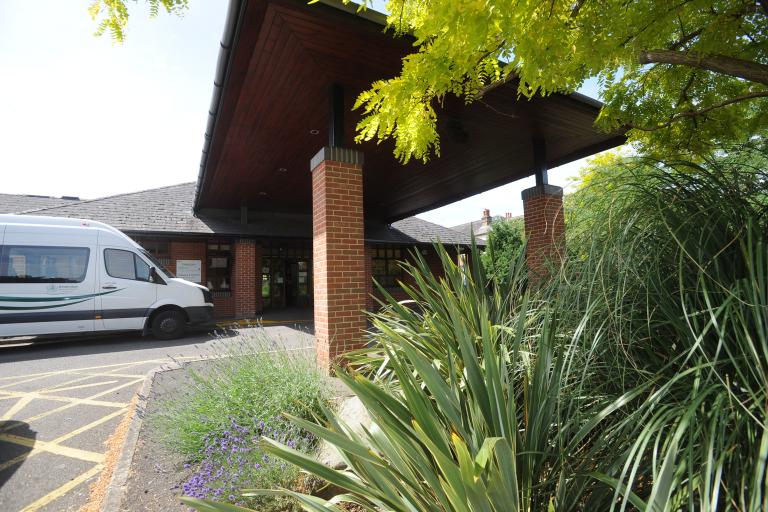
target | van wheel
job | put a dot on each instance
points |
(168, 325)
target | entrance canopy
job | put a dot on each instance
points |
(272, 109)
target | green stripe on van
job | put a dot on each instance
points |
(52, 299)
(31, 308)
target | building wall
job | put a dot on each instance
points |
(244, 298)
(433, 261)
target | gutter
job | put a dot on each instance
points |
(235, 13)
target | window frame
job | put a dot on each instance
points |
(390, 256)
(136, 258)
(40, 280)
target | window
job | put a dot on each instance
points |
(158, 248)
(219, 266)
(385, 267)
(31, 264)
(125, 265)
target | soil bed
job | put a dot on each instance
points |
(157, 472)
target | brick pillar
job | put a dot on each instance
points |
(338, 252)
(244, 278)
(544, 228)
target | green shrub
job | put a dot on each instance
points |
(506, 243)
(245, 377)
(224, 405)
(669, 263)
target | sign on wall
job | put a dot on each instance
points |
(191, 270)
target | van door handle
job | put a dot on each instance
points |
(109, 287)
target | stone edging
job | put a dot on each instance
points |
(117, 485)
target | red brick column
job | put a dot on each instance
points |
(338, 252)
(244, 278)
(544, 228)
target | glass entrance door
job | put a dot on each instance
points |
(286, 280)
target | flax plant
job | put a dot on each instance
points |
(635, 379)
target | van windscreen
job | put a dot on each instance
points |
(156, 263)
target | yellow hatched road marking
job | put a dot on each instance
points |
(23, 401)
(109, 374)
(89, 426)
(78, 401)
(36, 446)
(61, 439)
(57, 398)
(92, 384)
(50, 447)
(64, 489)
(60, 372)
(16, 460)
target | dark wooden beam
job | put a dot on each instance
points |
(336, 116)
(540, 161)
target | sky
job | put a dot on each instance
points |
(84, 117)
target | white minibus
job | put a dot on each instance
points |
(63, 276)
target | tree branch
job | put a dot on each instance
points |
(731, 66)
(686, 39)
(577, 8)
(696, 113)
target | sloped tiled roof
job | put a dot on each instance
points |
(168, 210)
(478, 227)
(159, 210)
(428, 232)
(17, 203)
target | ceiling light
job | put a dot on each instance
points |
(262, 193)
(282, 169)
(314, 131)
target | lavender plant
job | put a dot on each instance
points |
(223, 405)
(232, 460)
(247, 376)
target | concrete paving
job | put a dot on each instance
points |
(60, 400)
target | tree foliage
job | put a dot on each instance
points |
(679, 74)
(504, 248)
(112, 15)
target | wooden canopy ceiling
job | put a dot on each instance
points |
(274, 111)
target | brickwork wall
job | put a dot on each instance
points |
(188, 250)
(544, 229)
(223, 307)
(244, 278)
(338, 259)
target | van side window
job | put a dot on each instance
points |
(125, 265)
(37, 264)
